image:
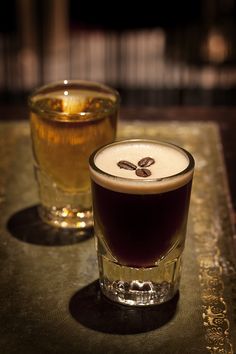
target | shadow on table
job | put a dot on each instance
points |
(26, 226)
(92, 309)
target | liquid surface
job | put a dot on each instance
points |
(168, 161)
(74, 102)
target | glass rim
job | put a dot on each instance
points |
(187, 170)
(89, 84)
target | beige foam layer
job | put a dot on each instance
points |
(166, 172)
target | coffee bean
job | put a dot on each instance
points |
(126, 165)
(146, 162)
(143, 172)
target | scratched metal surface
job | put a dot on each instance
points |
(50, 299)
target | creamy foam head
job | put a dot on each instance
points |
(172, 166)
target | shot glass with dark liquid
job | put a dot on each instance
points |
(69, 120)
(141, 193)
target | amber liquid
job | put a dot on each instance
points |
(62, 146)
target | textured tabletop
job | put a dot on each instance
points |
(50, 299)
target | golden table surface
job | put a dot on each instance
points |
(50, 299)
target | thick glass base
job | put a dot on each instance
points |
(66, 217)
(63, 208)
(139, 286)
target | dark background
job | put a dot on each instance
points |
(155, 53)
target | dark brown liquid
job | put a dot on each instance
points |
(140, 229)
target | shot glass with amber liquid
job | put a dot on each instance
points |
(69, 120)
